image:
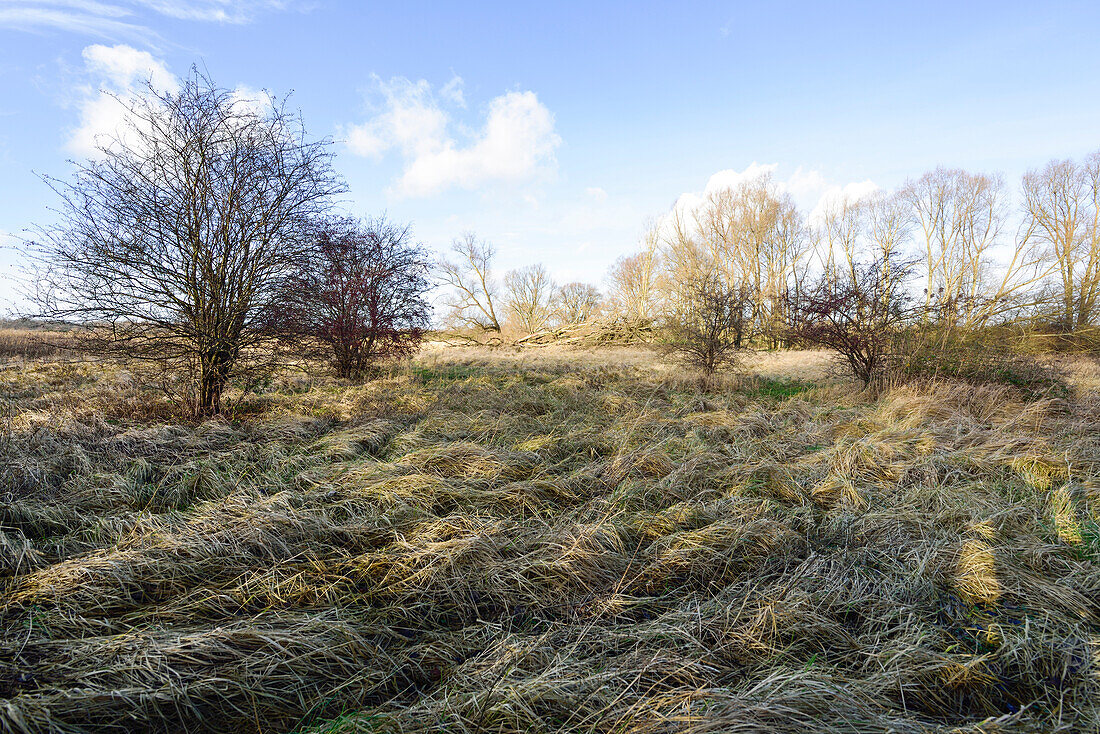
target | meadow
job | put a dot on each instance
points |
(549, 540)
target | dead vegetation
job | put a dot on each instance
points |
(35, 343)
(549, 541)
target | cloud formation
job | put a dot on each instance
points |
(122, 19)
(216, 11)
(811, 191)
(516, 142)
(116, 74)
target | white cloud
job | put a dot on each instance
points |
(124, 67)
(100, 22)
(809, 189)
(804, 184)
(104, 19)
(516, 142)
(595, 192)
(452, 91)
(727, 179)
(256, 101)
(412, 121)
(217, 11)
(118, 74)
(838, 195)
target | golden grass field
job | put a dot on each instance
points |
(549, 541)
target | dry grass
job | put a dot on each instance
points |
(553, 541)
(31, 343)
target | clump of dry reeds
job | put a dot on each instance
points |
(28, 342)
(476, 543)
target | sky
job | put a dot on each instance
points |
(556, 130)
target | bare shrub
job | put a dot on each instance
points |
(705, 327)
(359, 297)
(856, 312)
(929, 352)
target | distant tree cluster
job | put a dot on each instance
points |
(526, 300)
(931, 264)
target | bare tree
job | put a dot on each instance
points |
(474, 291)
(359, 297)
(577, 303)
(874, 228)
(1062, 209)
(634, 280)
(171, 243)
(530, 294)
(843, 225)
(960, 216)
(889, 226)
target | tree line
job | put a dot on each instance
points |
(202, 244)
(946, 228)
(948, 256)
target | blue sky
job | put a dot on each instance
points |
(555, 130)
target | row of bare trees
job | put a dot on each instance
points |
(951, 239)
(524, 301)
(949, 249)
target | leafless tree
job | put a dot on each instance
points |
(530, 294)
(359, 297)
(577, 303)
(960, 216)
(470, 278)
(843, 225)
(171, 241)
(1062, 210)
(635, 280)
(873, 228)
(889, 227)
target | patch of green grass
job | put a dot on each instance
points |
(1089, 548)
(449, 373)
(766, 387)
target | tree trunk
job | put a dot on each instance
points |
(214, 372)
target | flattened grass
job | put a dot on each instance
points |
(484, 542)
